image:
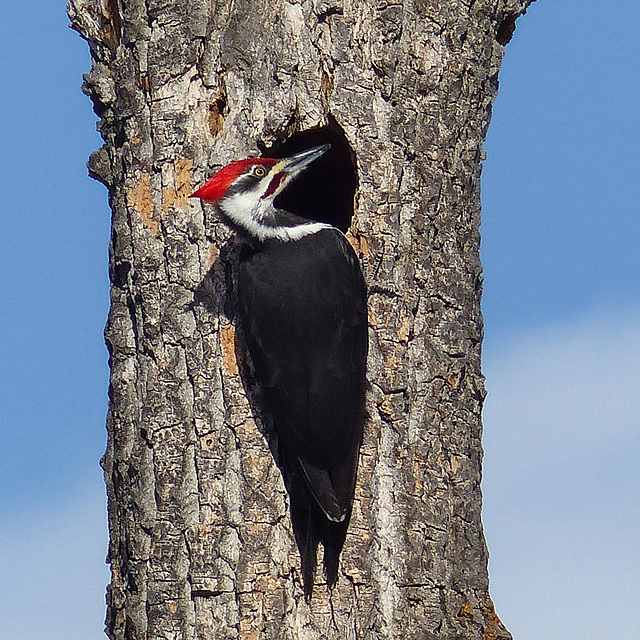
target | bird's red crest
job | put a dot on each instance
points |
(216, 187)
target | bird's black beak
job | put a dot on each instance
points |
(293, 165)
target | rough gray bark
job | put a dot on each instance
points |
(201, 544)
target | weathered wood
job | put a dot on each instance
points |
(201, 544)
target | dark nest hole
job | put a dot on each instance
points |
(326, 190)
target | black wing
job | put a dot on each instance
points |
(303, 311)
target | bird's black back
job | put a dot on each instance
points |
(303, 310)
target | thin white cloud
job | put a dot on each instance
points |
(561, 482)
(54, 576)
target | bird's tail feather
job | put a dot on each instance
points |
(336, 533)
(305, 526)
(320, 485)
(312, 527)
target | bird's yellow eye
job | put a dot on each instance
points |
(259, 172)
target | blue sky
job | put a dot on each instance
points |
(561, 251)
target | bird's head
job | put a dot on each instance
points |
(245, 190)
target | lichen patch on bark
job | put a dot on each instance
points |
(176, 196)
(494, 629)
(228, 345)
(140, 199)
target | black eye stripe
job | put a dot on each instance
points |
(243, 183)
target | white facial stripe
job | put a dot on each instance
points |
(248, 209)
(295, 233)
(243, 207)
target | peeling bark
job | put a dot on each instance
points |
(201, 544)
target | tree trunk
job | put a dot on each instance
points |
(201, 543)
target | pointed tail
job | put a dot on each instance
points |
(311, 526)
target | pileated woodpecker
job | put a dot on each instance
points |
(303, 308)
